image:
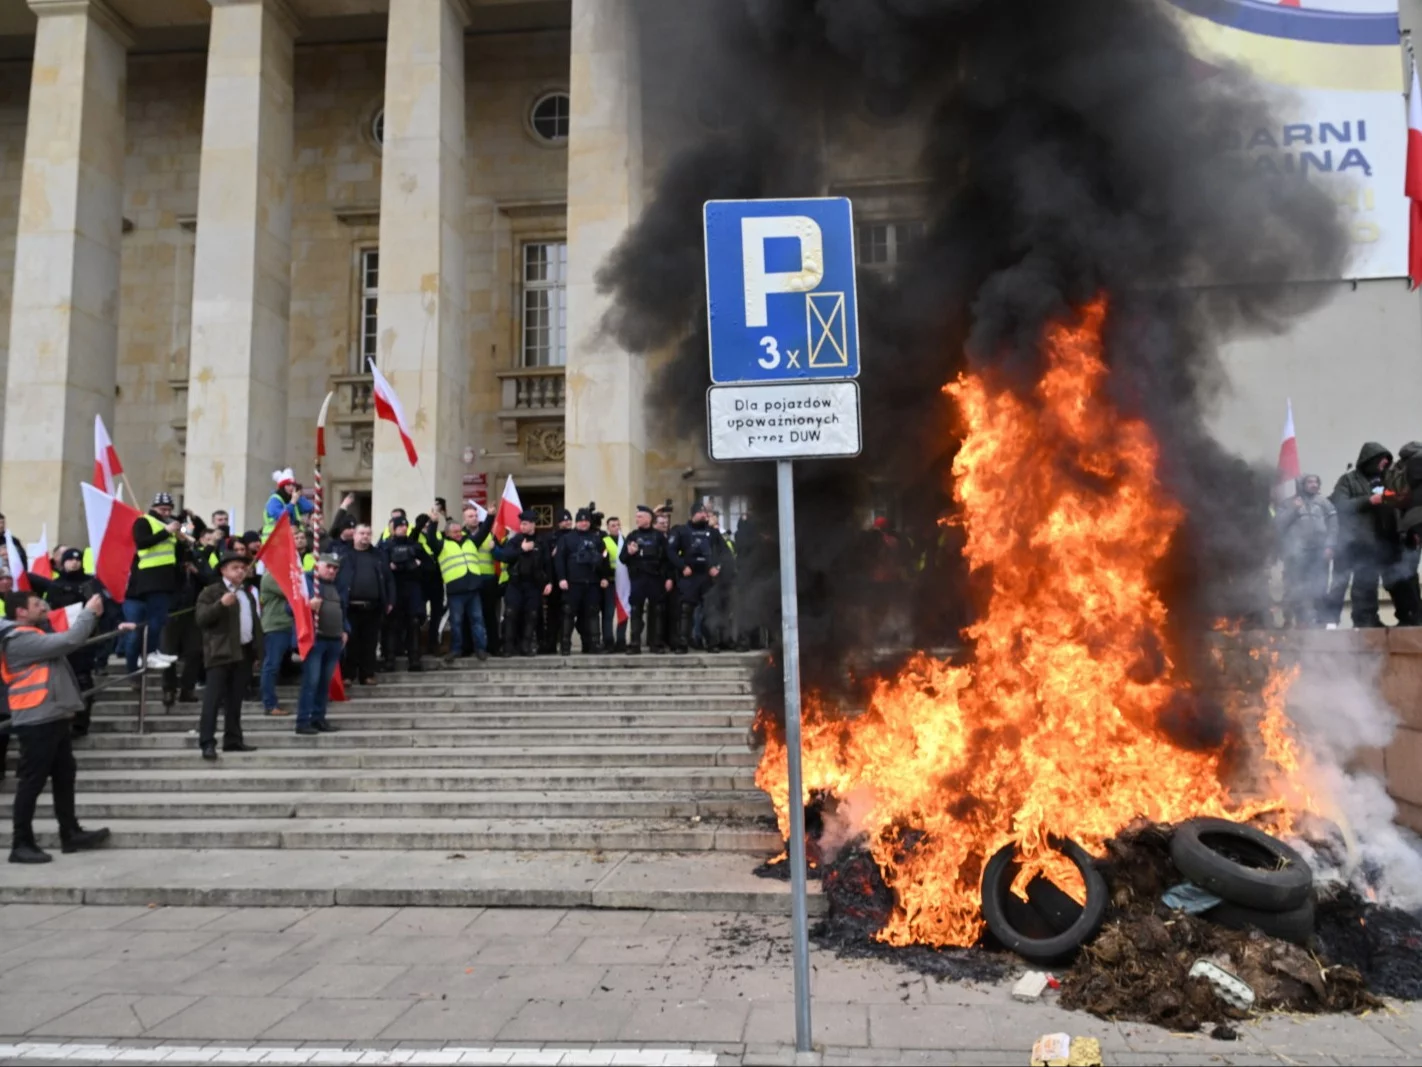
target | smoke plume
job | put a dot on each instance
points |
(1054, 152)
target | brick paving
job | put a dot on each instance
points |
(444, 985)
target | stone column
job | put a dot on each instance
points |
(606, 437)
(64, 310)
(423, 189)
(237, 362)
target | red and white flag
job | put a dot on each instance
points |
(1288, 471)
(39, 555)
(110, 523)
(60, 619)
(283, 563)
(15, 563)
(622, 584)
(506, 517)
(387, 407)
(1413, 182)
(107, 467)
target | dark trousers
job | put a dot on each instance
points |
(691, 592)
(649, 601)
(552, 619)
(491, 594)
(316, 672)
(366, 620)
(1359, 563)
(522, 603)
(46, 753)
(582, 605)
(182, 638)
(226, 686)
(1305, 589)
(404, 627)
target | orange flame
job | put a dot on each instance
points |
(1055, 727)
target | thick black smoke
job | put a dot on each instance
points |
(1063, 149)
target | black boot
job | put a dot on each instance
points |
(683, 635)
(26, 851)
(565, 645)
(656, 629)
(506, 646)
(80, 840)
(634, 632)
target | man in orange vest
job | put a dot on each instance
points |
(43, 695)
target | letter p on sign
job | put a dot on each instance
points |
(758, 282)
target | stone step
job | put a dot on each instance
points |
(183, 718)
(531, 690)
(660, 702)
(612, 834)
(299, 759)
(698, 881)
(267, 734)
(688, 669)
(235, 774)
(569, 804)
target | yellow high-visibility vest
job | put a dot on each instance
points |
(269, 523)
(163, 554)
(456, 559)
(483, 555)
(88, 562)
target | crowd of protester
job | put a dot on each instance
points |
(1342, 547)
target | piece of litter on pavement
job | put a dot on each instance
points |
(1030, 986)
(1190, 898)
(1051, 1049)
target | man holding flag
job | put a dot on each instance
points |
(330, 628)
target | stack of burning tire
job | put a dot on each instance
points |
(1260, 882)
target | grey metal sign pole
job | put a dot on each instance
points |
(790, 630)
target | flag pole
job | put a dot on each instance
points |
(131, 493)
(320, 454)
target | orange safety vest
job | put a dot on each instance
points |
(27, 688)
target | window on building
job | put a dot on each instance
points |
(369, 304)
(732, 508)
(377, 128)
(545, 306)
(885, 245)
(551, 117)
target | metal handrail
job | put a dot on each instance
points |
(141, 674)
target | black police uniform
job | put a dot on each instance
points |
(551, 620)
(648, 569)
(405, 624)
(695, 547)
(523, 592)
(580, 559)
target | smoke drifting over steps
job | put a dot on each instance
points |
(1063, 150)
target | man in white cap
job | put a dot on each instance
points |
(286, 498)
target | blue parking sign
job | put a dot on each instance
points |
(780, 290)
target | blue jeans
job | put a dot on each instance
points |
(466, 609)
(274, 649)
(316, 672)
(152, 609)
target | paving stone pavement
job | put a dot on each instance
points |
(96, 984)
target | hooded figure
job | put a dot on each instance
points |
(1367, 536)
(1308, 537)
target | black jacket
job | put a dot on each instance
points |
(64, 589)
(652, 560)
(1359, 522)
(524, 568)
(580, 556)
(366, 576)
(406, 559)
(697, 547)
(153, 579)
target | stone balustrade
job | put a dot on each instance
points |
(530, 393)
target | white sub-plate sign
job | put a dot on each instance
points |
(794, 420)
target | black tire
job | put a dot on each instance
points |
(999, 905)
(1053, 904)
(1294, 925)
(1241, 865)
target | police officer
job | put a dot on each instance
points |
(524, 561)
(648, 563)
(719, 620)
(552, 620)
(581, 565)
(405, 624)
(695, 550)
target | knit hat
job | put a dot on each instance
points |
(564, 515)
(161, 499)
(71, 553)
(584, 515)
(283, 478)
(643, 507)
(528, 516)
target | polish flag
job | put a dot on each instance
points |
(107, 467)
(622, 584)
(39, 555)
(110, 523)
(506, 518)
(16, 564)
(1288, 470)
(387, 407)
(60, 619)
(1413, 182)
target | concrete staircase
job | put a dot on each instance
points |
(642, 760)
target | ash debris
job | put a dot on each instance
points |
(1056, 151)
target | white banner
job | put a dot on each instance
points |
(796, 420)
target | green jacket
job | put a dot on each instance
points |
(276, 613)
(221, 626)
(1359, 522)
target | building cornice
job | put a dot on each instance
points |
(97, 10)
(280, 10)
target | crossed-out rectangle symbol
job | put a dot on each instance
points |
(826, 329)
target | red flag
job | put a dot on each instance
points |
(284, 565)
(387, 407)
(1288, 469)
(15, 563)
(60, 619)
(107, 467)
(110, 524)
(506, 518)
(1413, 182)
(337, 692)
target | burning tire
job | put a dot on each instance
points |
(1294, 925)
(1041, 944)
(1241, 865)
